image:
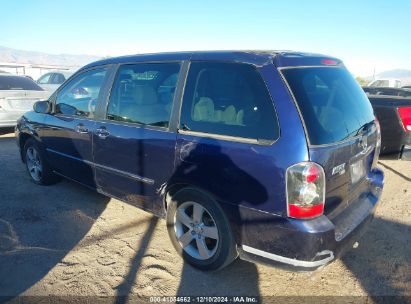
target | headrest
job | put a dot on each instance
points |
(145, 95)
(204, 109)
(206, 101)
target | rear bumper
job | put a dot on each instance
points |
(7, 123)
(306, 244)
(406, 152)
(398, 146)
(260, 256)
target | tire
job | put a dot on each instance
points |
(36, 164)
(205, 241)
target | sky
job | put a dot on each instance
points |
(365, 34)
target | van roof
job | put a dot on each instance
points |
(257, 57)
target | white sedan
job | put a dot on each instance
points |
(52, 80)
(17, 96)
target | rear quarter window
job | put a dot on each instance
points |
(228, 99)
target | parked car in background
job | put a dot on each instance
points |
(387, 82)
(387, 91)
(17, 96)
(52, 80)
(406, 88)
(29, 77)
(268, 155)
(392, 108)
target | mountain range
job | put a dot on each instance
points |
(9, 55)
(401, 74)
(397, 73)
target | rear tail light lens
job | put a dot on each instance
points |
(405, 115)
(305, 190)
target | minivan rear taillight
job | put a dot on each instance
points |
(405, 115)
(305, 190)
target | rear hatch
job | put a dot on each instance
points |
(342, 133)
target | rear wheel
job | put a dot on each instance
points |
(200, 231)
(36, 164)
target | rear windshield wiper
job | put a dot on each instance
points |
(364, 127)
(360, 130)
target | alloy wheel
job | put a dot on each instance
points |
(34, 164)
(196, 230)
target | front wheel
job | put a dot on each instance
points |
(36, 164)
(200, 231)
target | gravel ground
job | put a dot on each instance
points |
(67, 240)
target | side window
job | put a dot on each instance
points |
(79, 97)
(228, 99)
(44, 79)
(143, 93)
(57, 78)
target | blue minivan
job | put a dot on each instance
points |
(266, 155)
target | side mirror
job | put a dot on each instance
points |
(42, 106)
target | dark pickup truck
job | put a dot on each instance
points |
(392, 108)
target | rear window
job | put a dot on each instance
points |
(18, 83)
(333, 105)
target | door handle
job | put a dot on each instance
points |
(81, 129)
(102, 132)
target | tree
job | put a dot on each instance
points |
(361, 81)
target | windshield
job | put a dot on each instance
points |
(18, 83)
(333, 105)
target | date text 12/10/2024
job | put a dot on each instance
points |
(204, 299)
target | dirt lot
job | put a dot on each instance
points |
(67, 240)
